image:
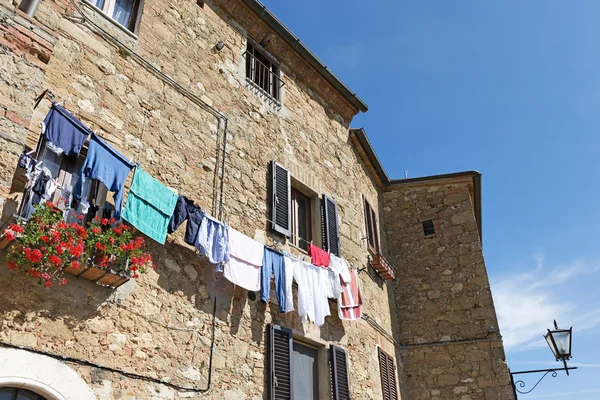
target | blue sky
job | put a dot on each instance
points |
(511, 89)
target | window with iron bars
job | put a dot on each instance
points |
(262, 74)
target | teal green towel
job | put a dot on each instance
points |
(149, 206)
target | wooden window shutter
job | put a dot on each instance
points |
(280, 363)
(330, 226)
(387, 371)
(339, 374)
(282, 199)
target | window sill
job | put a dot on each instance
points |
(261, 92)
(299, 249)
(109, 18)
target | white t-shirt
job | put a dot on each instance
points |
(245, 261)
(288, 264)
(340, 267)
(312, 291)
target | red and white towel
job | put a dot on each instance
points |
(350, 302)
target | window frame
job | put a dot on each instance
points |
(272, 90)
(371, 227)
(132, 28)
(295, 239)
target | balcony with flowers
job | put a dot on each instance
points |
(47, 248)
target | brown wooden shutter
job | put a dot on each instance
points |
(281, 190)
(280, 363)
(339, 374)
(330, 226)
(388, 376)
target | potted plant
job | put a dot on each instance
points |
(47, 247)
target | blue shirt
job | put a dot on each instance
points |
(107, 165)
(65, 131)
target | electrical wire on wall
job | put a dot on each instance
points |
(127, 374)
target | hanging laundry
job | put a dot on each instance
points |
(42, 186)
(273, 264)
(312, 292)
(245, 261)
(108, 166)
(340, 268)
(289, 281)
(213, 241)
(64, 131)
(186, 210)
(333, 286)
(350, 302)
(319, 257)
(149, 206)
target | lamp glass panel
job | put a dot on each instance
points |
(563, 343)
(548, 338)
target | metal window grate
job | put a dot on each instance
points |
(262, 76)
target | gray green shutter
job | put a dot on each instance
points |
(387, 371)
(339, 374)
(280, 363)
(281, 207)
(330, 226)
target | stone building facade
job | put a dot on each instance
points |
(172, 90)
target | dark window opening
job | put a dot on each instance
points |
(200, 3)
(428, 228)
(18, 394)
(372, 229)
(263, 73)
(301, 220)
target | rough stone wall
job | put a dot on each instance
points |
(25, 49)
(445, 322)
(161, 326)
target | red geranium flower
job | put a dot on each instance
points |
(54, 260)
(44, 238)
(99, 246)
(47, 283)
(12, 265)
(104, 221)
(9, 235)
(75, 264)
(96, 230)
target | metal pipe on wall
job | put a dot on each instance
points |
(29, 6)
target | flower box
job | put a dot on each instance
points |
(382, 267)
(105, 251)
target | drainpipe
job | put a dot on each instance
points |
(29, 6)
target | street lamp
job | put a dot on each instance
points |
(559, 341)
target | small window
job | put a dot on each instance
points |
(371, 228)
(263, 74)
(7, 393)
(387, 371)
(428, 228)
(301, 219)
(126, 13)
(305, 367)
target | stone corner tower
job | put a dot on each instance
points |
(444, 320)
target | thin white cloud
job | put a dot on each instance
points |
(527, 303)
(569, 394)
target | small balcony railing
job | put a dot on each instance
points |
(263, 79)
(382, 267)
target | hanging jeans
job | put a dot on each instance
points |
(273, 265)
(186, 210)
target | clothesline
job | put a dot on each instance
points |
(152, 207)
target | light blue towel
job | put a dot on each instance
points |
(149, 206)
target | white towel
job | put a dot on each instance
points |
(245, 261)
